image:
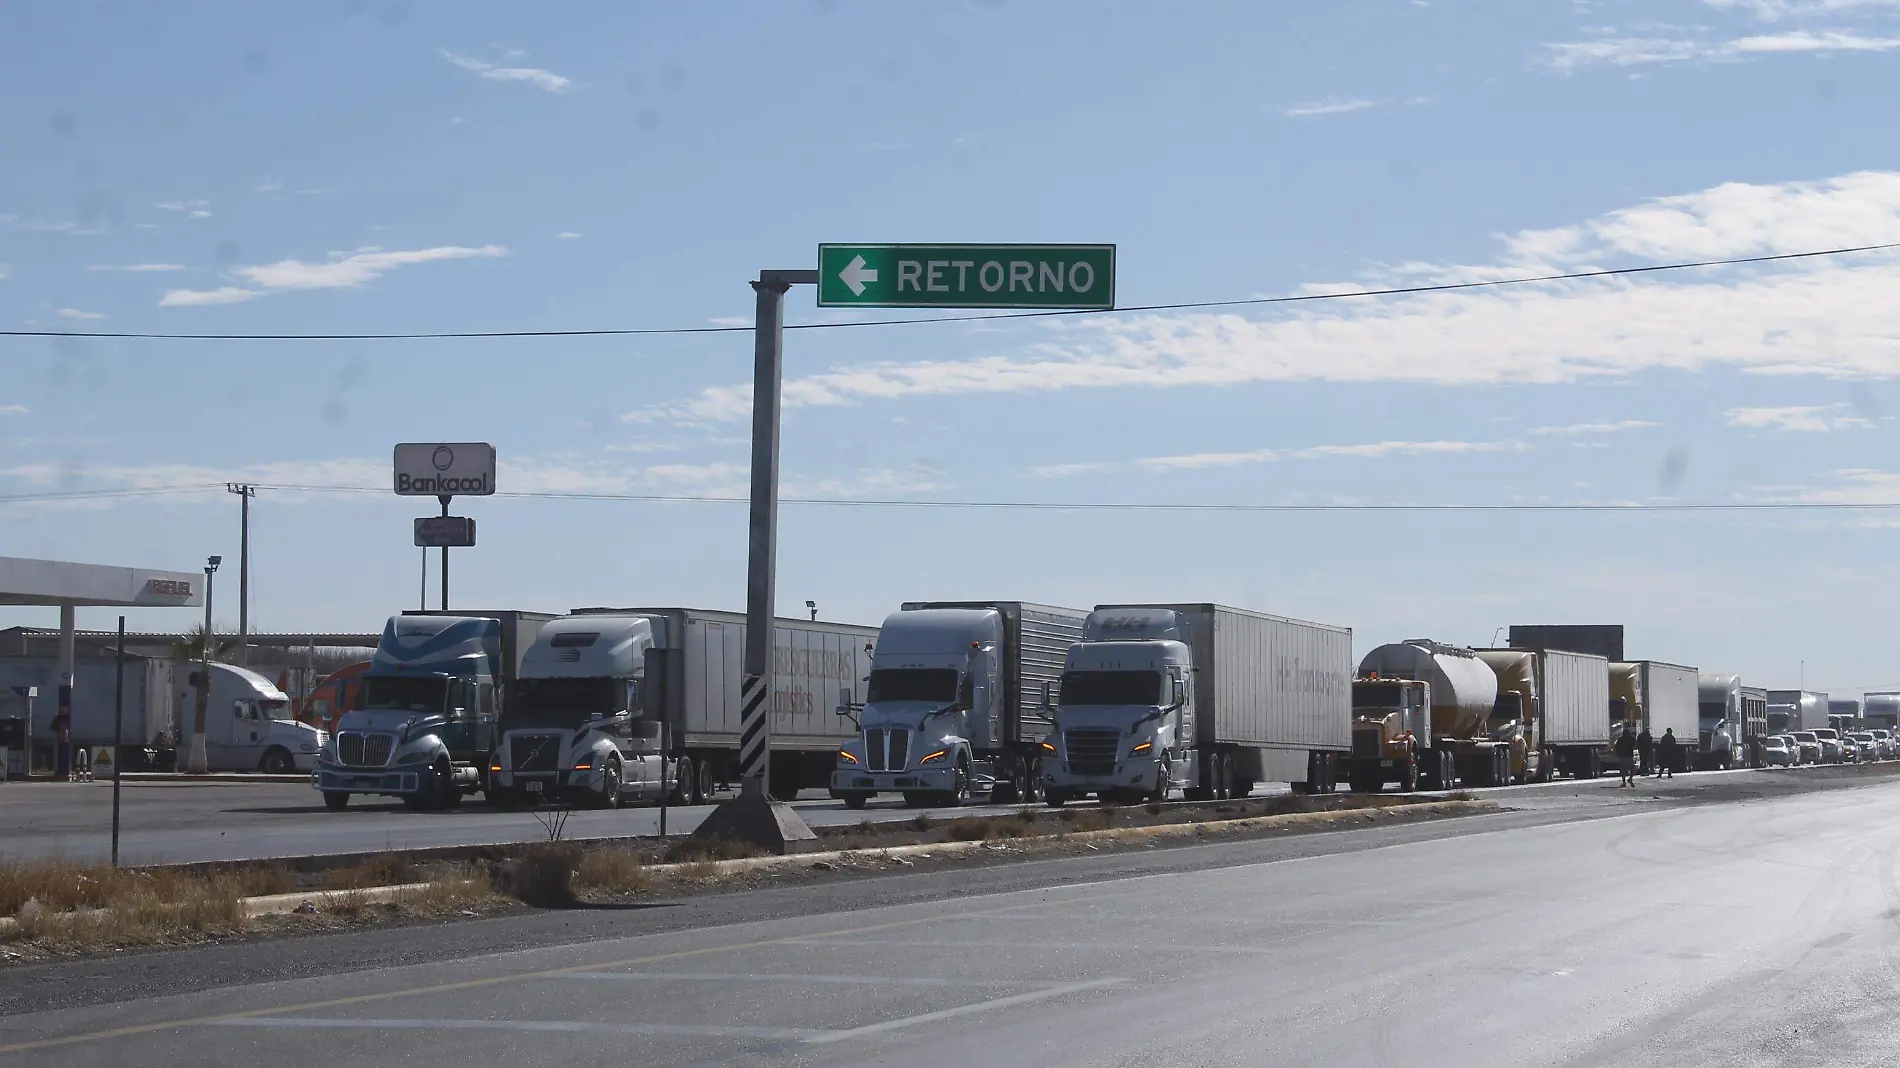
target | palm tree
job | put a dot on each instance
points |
(190, 647)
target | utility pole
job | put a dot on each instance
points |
(445, 499)
(246, 492)
(196, 763)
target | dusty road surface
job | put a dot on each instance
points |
(1654, 930)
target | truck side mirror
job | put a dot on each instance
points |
(844, 701)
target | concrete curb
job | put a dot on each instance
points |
(1204, 829)
(214, 776)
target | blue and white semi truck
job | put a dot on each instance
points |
(425, 725)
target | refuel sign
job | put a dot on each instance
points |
(453, 469)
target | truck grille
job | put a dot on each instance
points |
(358, 750)
(534, 752)
(1092, 752)
(887, 749)
(1365, 742)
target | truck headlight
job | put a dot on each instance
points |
(1142, 748)
(934, 757)
(583, 762)
(846, 757)
(1047, 748)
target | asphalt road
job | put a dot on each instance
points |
(1618, 929)
(199, 822)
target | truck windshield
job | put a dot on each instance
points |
(426, 694)
(274, 709)
(1111, 688)
(1712, 712)
(912, 684)
(1377, 694)
(564, 702)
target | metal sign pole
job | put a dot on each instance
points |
(118, 738)
(445, 499)
(768, 341)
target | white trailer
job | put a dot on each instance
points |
(1796, 710)
(813, 663)
(1573, 710)
(1272, 698)
(149, 708)
(1671, 701)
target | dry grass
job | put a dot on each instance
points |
(384, 869)
(986, 829)
(614, 870)
(707, 850)
(77, 907)
(543, 874)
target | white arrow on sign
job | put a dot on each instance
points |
(855, 274)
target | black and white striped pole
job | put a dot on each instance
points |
(756, 689)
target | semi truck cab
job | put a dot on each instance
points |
(1126, 728)
(577, 723)
(1391, 725)
(426, 721)
(933, 691)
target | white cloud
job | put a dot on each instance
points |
(269, 185)
(191, 298)
(346, 269)
(1824, 316)
(75, 313)
(1774, 10)
(731, 320)
(342, 270)
(540, 79)
(138, 267)
(193, 208)
(1808, 418)
(1640, 51)
(1576, 429)
(1204, 460)
(14, 409)
(1329, 106)
(569, 235)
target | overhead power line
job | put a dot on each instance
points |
(1297, 298)
(1037, 506)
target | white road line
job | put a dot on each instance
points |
(1118, 947)
(830, 1037)
(578, 1026)
(740, 977)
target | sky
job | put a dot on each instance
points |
(366, 167)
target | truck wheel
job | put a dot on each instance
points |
(685, 786)
(959, 794)
(1164, 780)
(702, 781)
(449, 794)
(277, 762)
(609, 786)
(1016, 786)
(1408, 776)
(855, 800)
(1032, 780)
(336, 800)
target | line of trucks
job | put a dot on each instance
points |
(1006, 700)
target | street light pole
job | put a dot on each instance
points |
(246, 492)
(196, 763)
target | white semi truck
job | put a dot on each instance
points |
(1668, 697)
(955, 702)
(1733, 720)
(589, 720)
(1266, 699)
(1796, 710)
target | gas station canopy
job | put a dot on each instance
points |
(63, 584)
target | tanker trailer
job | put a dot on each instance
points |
(1463, 692)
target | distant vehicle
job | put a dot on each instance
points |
(1796, 710)
(1866, 747)
(1776, 752)
(336, 694)
(1881, 710)
(1885, 742)
(1833, 749)
(248, 725)
(1807, 747)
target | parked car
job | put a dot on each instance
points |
(1777, 751)
(1807, 747)
(1866, 748)
(1883, 742)
(1833, 750)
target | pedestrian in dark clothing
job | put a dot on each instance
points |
(1646, 749)
(1668, 751)
(1626, 756)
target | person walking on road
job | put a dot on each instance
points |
(1667, 752)
(1646, 750)
(1626, 757)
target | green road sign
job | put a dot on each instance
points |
(966, 276)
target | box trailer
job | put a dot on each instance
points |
(1671, 700)
(1796, 710)
(149, 705)
(1573, 719)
